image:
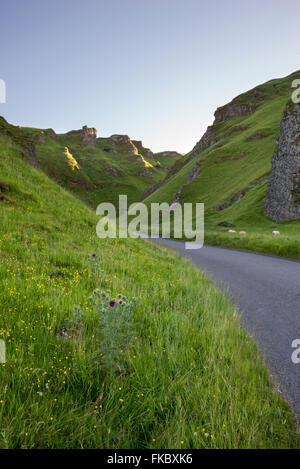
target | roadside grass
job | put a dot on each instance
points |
(285, 246)
(193, 377)
(247, 215)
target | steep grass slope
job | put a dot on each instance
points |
(102, 172)
(229, 167)
(191, 378)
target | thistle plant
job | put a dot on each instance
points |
(114, 327)
(96, 270)
(111, 325)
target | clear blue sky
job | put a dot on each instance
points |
(153, 69)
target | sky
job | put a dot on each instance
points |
(155, 70)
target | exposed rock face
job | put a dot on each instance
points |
(240, 106)
(176, 197)
(194, 172)
(124, 140)
(30, 152)
(166, 154)
(89, 135)
(146, 152)
(50, 133)
(207, 140)
(110, 150)
(138, 144)
(150, 189)
(119, 139)
(119, 143)
(41, 138)
(283, 195)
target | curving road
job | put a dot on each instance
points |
(267, 290)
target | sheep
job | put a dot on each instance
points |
(242, 232)
(231, 231)
(276, 233)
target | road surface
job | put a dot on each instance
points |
(267, 291)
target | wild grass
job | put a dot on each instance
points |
(193, 378)
(247, 215)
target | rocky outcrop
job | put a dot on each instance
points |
(208, 139)
(242, 105)
(138, 144)
(194, 172)
(283, 194)
(89, 135)
(146, 152)
(126, 141)
(150, 189)
(30, 152)
(110, 150)
(41, 137)
(120, 139)
(176, 197)
(168, 154)
(50, 133)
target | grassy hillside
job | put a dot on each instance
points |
(189, 378)
(103, 171)
(167, 159)
(232, 171)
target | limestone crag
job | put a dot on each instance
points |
(283, 194)
(150, 189)
(50, 133)
(146, 152)
(89, 135)
(125, 140)
(242, 105)
(166, 154)
(41, 137)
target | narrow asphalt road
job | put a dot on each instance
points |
(267, 291)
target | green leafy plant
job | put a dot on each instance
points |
(96, 269)
(114, 327)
